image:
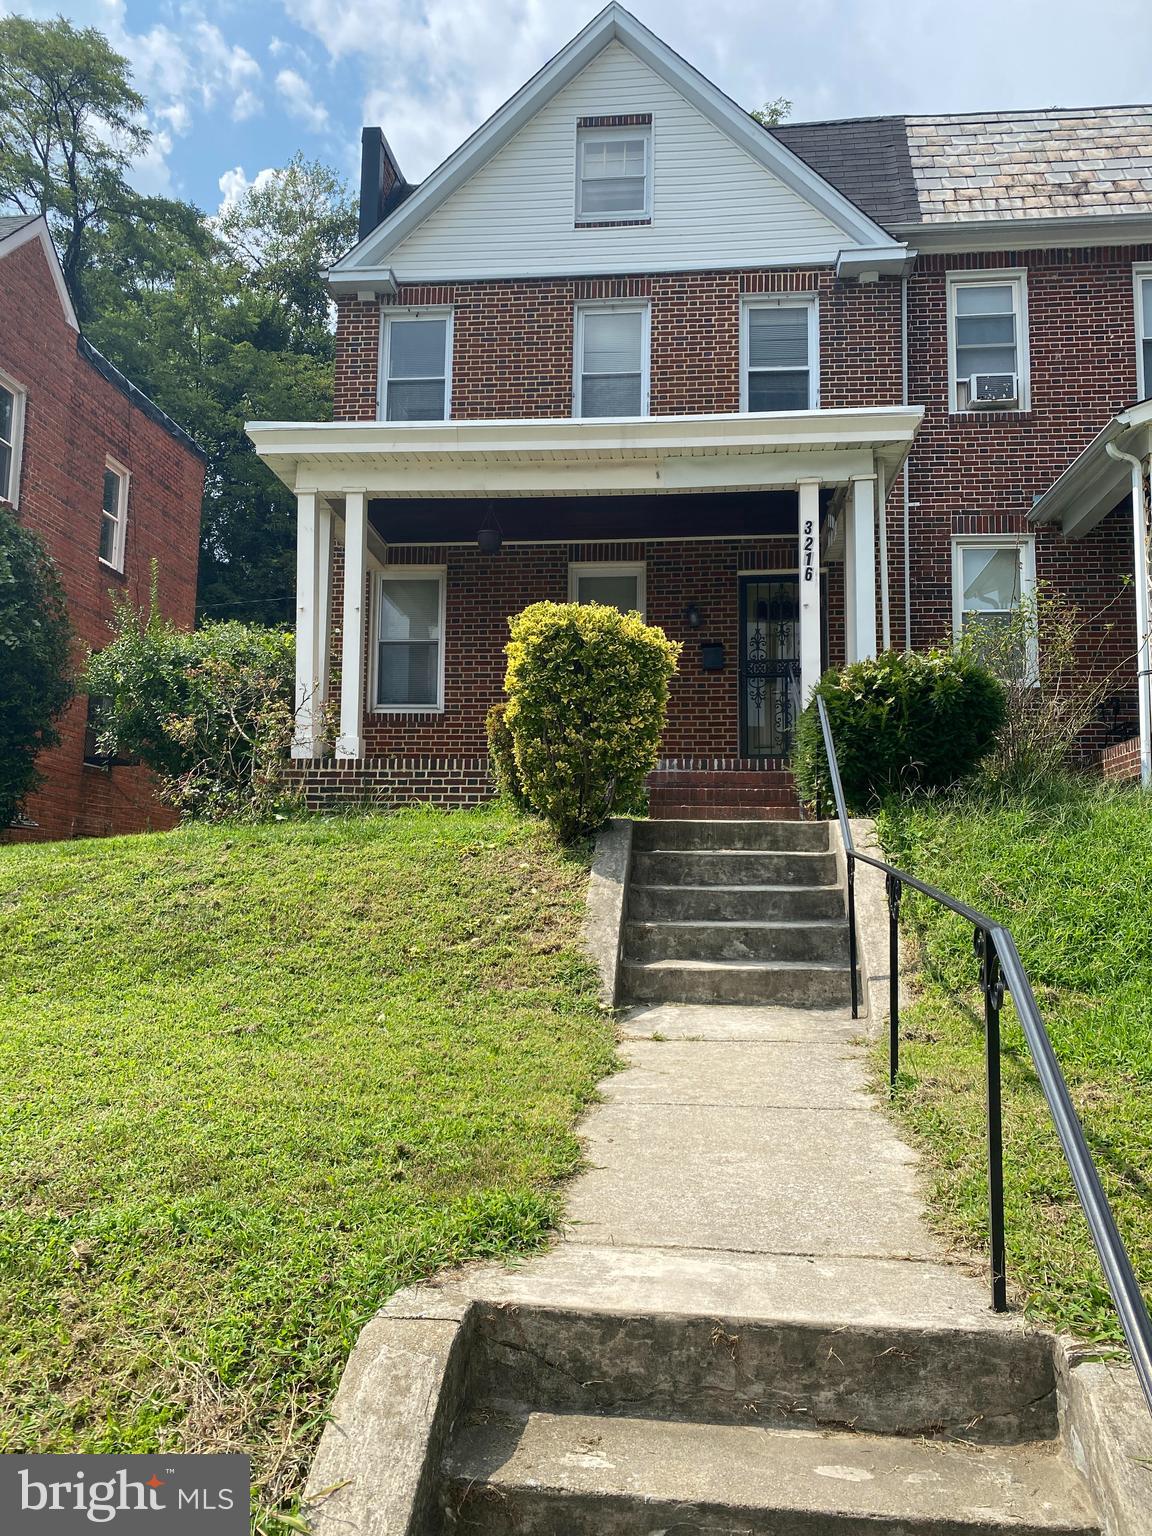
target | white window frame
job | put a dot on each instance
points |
(637, 568)
(807, 301)
(1025, 547)
(19, 397)
(124, 475)
(621, 306)
(408, 573)
(991, 277)
(388, 313)
(1141, 274)
(636, 131)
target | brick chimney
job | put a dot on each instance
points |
(382, 184)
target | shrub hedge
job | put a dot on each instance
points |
(901, 721)
(587, 698)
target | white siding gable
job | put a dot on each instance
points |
(712, 204)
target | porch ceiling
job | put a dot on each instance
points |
(566, 457)
(590, 519)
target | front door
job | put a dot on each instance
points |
(769, 664)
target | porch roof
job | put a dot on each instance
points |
(551, 456)
(1095, 483)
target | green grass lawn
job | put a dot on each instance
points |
(253, 1080)
(1072, 879)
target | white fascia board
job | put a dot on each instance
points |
(959, 235)
(1095, 482)
(613, 24)
(37, 229)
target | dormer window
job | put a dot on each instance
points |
(613, 172)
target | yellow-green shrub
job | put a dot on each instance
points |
(587, 696)
(502, 752)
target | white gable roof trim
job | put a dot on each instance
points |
(37, 229)
(367, 262)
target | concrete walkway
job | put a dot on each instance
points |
(740, 1164)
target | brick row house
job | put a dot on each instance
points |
(110, 485)
(795, 395)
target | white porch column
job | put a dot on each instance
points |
(860, 570)
(809, 567)
(313, 548)
(350, 742)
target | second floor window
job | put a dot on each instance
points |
(779, 349)
(988, 342)
(11, 414)
(417, 369)
(613, 174)
(114, 516)
(612, 360)
(1144, 333)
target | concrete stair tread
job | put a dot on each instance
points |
(713, 890)
(834, 923)
(736, 965)
(601, 1469)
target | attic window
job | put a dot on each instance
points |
(613, 173)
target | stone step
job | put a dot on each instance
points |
(734, 866)
(806, 985)
(821, 943)
(540, 1474)
(769, 778)
(993, 1384)
(676, 810)
(734, 903)
(693, 835)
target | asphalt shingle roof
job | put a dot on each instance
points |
(10, 223)
(1053, 163)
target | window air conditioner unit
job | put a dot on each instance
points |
(991, 389)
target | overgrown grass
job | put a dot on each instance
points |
(253, 1080)
(1071, 876)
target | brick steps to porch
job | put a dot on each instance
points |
(725, 794)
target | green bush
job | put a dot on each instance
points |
(587, 696)
(211, 710)
(35, 660)
(903, 721)
(502, 751)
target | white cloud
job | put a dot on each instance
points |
(437, 68)
(233, 184)
(301, 100)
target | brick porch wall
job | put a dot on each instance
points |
(1121, 760)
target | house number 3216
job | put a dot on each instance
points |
(809, 545)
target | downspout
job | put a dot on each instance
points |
(904, 401)
(1143, 605)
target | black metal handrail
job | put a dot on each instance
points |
(1002, 969)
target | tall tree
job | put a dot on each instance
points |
(72, 125)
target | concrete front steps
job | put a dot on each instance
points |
(732, 911)
(731, 794)
(581, 1424)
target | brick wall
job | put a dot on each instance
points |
(74, 419)
(1121, 760)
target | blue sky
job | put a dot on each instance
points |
(236, 87)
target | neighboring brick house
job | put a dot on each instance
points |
(796, 394)
(110, 485)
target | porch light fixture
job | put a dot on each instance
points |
(490, 535)
(692, 616)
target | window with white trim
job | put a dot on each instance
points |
(114, 515)
(410, 639)
(990, 579)
(613, 174)
(616, 584)
(1144, 332)
(11, 435)
(779, 350)
(988, 342)
(417, 366)
(611, 360)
